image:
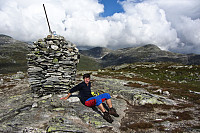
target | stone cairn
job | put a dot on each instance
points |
(52, 65)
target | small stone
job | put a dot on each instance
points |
(49, 42)
(54, 47)
(1, 81)
(40, 40)
(48, 96)
(53, 78)
(58, 54)
(159, 91)
(40, 60)
(35, 69)
(166, 93)
(35, 105)
(73, 99)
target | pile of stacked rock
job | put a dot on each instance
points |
(52, 65)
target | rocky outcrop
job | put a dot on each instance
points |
(50, 114)
(52, 65)
(136, 96)
(140, 110)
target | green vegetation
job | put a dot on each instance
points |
(13, 57)
(170, 73)
(181, 81)
(87, 63)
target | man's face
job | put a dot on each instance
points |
(86, 80)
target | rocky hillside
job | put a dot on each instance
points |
(12, 55)
(147, 53)
(193, 59)
(149, 97)
(97, 52)
(4, 39)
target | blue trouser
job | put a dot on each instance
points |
(97, 100)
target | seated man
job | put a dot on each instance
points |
(89, 100)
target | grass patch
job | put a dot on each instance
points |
(162, 113)
(184, 75)
(161, 106)
(140, 125)
(13, 57)
(136, 85)
(183, 106)
(196, 127)
(87, 63)
(176, 78)
(161, 128)
(186, 115)
(179, 116)
(177, 130)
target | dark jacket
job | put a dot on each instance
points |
(84, 91)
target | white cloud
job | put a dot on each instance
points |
(175, 8)
(25, 20)
(145, 23)
(189, 32)
(184, 16)
(171, 24)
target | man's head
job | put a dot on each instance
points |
(86, 78)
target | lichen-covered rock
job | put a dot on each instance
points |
(136, 96)
(52, 65)
(20, 112)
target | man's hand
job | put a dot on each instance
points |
(65, 98)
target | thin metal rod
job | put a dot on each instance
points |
(47, 20)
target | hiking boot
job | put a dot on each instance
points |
(107, 117)
(113, 112)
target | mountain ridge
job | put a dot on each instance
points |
(146, 53)
(13, 56)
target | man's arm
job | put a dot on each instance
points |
(75, 88)
(65, 98)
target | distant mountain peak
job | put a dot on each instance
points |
(99, 48)
(146, 53)
(150, 47)
(4, 39)
(4, 36)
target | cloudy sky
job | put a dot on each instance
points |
(170, 24)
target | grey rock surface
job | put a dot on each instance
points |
(22, 113)
(52, 65)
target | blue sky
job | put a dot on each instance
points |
(111, 7)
